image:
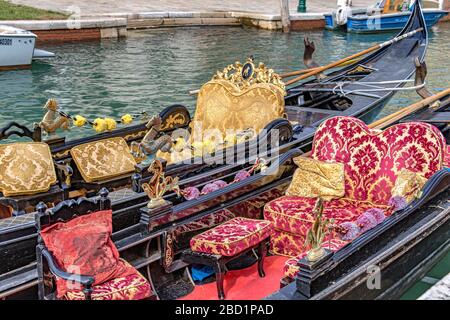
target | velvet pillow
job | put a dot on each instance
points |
(315, 178)
(408, 185)
(83, 246)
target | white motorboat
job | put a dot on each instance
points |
(17, 48)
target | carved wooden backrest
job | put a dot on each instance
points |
(69, 209)
(13, 128)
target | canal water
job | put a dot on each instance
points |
(155, 68)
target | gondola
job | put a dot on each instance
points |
(145, 236)
(406, 247)
(400, 246)
(360, 89)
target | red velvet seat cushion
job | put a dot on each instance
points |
(294, 214)
(132, 286)
(83, 246)
(232, 237)
(373, 159)
(447, 157)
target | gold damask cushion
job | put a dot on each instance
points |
(222, 105)
(315, 178)
(26, 168)
(408, 185)
(104, 159)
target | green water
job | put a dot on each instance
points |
(156, 68)
(439, 271)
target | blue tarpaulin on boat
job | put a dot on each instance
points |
(200, 273)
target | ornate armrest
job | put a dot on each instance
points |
(86, 281)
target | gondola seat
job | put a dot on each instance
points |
(103, 160)
(27, 176)
(373, 160)
(232, 237)
(250, 98)
(226, 242)
(132, 286)
(76, 254)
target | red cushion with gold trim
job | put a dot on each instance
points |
(447, 157)
(294, 214)
(83, 245)
(132, 286)
(232, 237)
(373, 159)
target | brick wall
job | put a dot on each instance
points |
(68, 35)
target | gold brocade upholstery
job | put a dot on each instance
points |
(408, 185)
(242, 97)
(100, 160)
(26, 168)
(221, 105)
(315, 178)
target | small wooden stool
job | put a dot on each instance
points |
(226, 242)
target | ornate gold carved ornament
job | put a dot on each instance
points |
(245, 75)
(159, 184)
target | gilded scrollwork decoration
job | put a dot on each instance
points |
(159, 184)
(247, 74)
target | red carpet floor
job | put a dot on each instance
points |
(245, 284)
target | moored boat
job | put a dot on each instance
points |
(17, 48)
(379, 19)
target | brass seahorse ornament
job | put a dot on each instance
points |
(316, 234)
(52, 119)
(159, 185)
(152, 141)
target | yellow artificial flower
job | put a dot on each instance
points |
(110, 124)
(209, 146)
(198, 148)
(179, 144)
(79, 121)
(241, 139)
(127, 118)
(100, 125)
(230, 139)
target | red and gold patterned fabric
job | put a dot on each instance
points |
(132, 286)
(447, 157)
(373, 159)
(83, 245)
(205, 222)
(291, 267)
(232, 237)
(294, 214)
(286, 244)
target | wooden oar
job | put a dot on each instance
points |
(353, 56)
(392, 118)
(291, 74)
(296, 73)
